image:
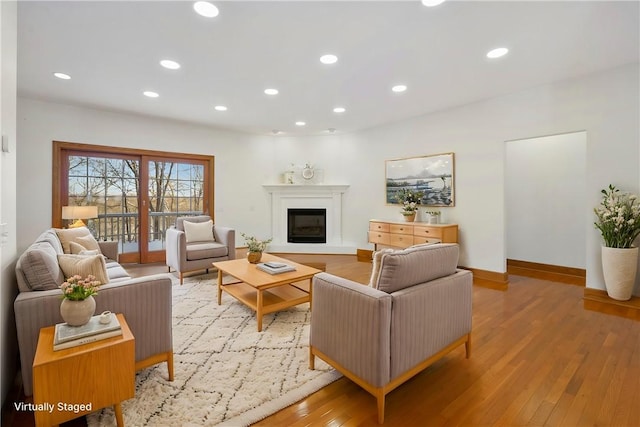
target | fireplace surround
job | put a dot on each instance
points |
(284, 197)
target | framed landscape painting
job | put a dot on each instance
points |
(431, 175)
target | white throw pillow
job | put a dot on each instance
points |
(199, 231)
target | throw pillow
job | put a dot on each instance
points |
(89, 242)
(68, 235)
(199, 231)
(83, 266)
(76, 248)
(375, 270)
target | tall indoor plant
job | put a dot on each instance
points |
(618, 219)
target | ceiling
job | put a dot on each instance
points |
(112, 51)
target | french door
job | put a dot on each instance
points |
(139, 194)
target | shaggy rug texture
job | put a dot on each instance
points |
(226, 373)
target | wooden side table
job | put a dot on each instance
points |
(79, 380)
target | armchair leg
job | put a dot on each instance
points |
(380, 401)
(467, 346)
(170, 365)
(168, 269)
(181, 277)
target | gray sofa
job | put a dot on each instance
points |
(145, 302)
(417, 309)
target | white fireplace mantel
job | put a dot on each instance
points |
(320, 196)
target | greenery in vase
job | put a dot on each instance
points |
(254, 244)
(434, 213)
(410, 200)
(77, 289)
(618, 218)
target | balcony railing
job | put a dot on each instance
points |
(125, 227)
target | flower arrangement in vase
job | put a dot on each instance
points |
(78, 304)
(410, 200)
(618, 219)
(434, 216)
(256, 247)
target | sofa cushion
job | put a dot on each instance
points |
(39, 264)
(199, 231)
(115, 271)
(51, 238)
(375, 269)
(405, 268)
(88, 242)
(84, 265)
(68, 235)
(197, 251)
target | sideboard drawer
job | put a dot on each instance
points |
(379, 226)
(422, 240)
(400, 240)
(377, 237)
(424, 231)
(400, 229)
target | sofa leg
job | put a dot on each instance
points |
(380, 400)
(168, 269)
(181, 277)
(170, 365)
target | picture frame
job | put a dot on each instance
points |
(434, 175)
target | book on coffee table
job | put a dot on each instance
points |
(66, 336)
(275, 267)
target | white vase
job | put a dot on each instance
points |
(77, 313)
(619, 269)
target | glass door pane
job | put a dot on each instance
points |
(112, 184)
(175, 189)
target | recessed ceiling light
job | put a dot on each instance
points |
(328, 59)
(150, 94)
(497, 53)
(62, 76)
(205, 9)
(167, 63)
(300, 123)
(339, 110)
(431, 3)
(220, 108)
(271, 91)
(399, 88)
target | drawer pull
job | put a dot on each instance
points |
(426, 231)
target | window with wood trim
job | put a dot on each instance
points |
(139, 193)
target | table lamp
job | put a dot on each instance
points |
(78, 213)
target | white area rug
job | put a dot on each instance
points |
(226, 373)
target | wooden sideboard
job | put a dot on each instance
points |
(404, 234)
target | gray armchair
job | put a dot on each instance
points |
(185, 256)
(417, 310)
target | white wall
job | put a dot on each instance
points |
(605, 105)
(546, 209)
(8, 248)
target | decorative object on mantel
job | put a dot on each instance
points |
(433, 217)
(307, 172)
(78, 305)
(618, 219)
(288, 175)
(410, 200)
(256, 247)
(432, 175)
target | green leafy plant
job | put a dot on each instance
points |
(76, 288)
(410, 200)
(254, 244)
(618, 218)
(436, 213)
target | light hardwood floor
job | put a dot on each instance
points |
(538, 358)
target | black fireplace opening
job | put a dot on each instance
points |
(307, 226)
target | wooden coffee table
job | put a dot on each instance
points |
(263, 292)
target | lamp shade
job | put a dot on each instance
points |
(79, 212)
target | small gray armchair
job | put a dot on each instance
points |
(185, 255)
(417, 310)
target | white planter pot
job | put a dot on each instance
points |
(619, 269)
